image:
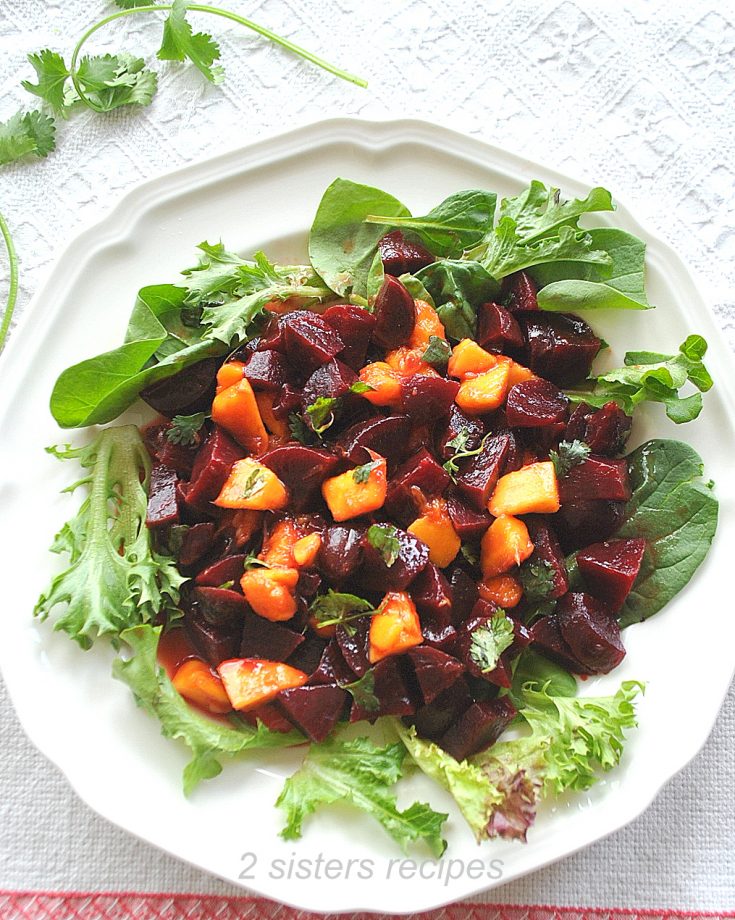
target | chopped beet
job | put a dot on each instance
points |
(420, 472)
(376, 575)
(341, 552)
(432, 595)
(332, 667)
(435, 671)
(610, 569)
(266, 370)
(548, 552)
(459, 423)
(438, 636)
(309, 341)
(395, 314)
(214, 643)
(163, 507)
(385, 436)
(212, 466)
(332, 380)
(308, 655)
(353, 641)
(599, 478)
(559, 346)
(190, 390)
(263, 639)
(464, 594)
(478, 727)
(179, 457)
(309, 583)
(591, 632)
(229, 569)
(425, 398)
(604, 430)
(434, 719)
(302, 470)
(314, 710)
(582, 522)
(535, 403)
(401, 256)
(391, 690)
(286, 401)
(271, 716)
(518, 292)
(497, 328)
(354, 325)
(547, 639)
(220, 606)
(478, 475)
(468, 523)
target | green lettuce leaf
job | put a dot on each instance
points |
(208, 739)
(362, 774)
(540, 211)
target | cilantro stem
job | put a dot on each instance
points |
(12, 282)
(215, 11)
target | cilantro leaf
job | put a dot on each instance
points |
(336, 608)
(185, 428)
(438, 352)
(362, 774)
(208, 739)
(115, 579)
(359, 386)
(490, 640)
(300, 431)
(26, 133)
(459, 444)
(181, 43)
(113, 80)
(362, 691)
(131, 4)
(383, 538)
(362, 473)
(537, 578)
(569, 454)
(321, 413)
(52, 74)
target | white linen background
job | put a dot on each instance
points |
(635, 96)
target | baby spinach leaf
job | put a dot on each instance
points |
(341, 245)
(452, 226)
(416, 289)
(457, 288)
(580, 286)
(675, 512)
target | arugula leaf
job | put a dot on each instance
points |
(180, 43)
(490, 640)
(362, 691)
(336, 608)
(362, 473)
(676, 513)
(569, 455)
(539, 210)
(115, 578)
(185, 428)
(452, 226)
(362, 774)
(26, 133)
(438, 352)
(342, 247)
(537, 578)
(533, 671)
(208, 739)
(382, 537)
(653, 377)
(457, 288)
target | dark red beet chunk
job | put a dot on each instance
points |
(519, 292)
(263, 639)
(331, 380)
(354, 325)
(220, 606)
(604, 430)
(433, 720)
(386, 436)
(395, 314)
(591, 632)
(214, 643)
(559, 346)
(390, 689)
(534, 404)
(464, 594)
(286, 401)
(610, 569)
(196, 542)
(309, 341)
(478, 727)
(266, 370)
(547, 639)
(426, 398)
(341, 552)
(332, 668)
(546, 549)
(580, 523)
(458, 422)
(442, 638)
(271, 716)
(314, 710)
(301, 469)
(354, 645)
(163, 508)
(435, 671)
(432, 595)
(375, 575)
(478, 475)
(179, 457)
(497, 328)
(211, 468)
(401, 256)
(307, 656)
(189, 391)
(419, 474)
(468, 523)
(596, 478)
(225, 570)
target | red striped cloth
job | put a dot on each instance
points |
(49, 905)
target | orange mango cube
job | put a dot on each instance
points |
(435, 528)
(506, 544)
(229, 374)
(427, 324)
(385, 383)
(236, 410)
(468, 358)
(270, 592)
(395, 628)
(253, 486)
(250, 682)
(357, 491)
(533, 489)
(195, 681)
(486, 392)
(503, 590)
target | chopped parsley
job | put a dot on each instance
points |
(185, 429)
(490, 641)
(383, 538)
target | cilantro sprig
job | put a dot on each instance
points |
(384, 538)
(461, 452)
(336, 608)
(569, 455)
(185, 429)
(490, 640)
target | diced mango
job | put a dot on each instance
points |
(435, 528)
(279, 544)
(406, 361)
(229, 374)
(484, 393)
(532, 489)
(357, 491)
(506, 543)
(236, 410)
(250, 682)
(276, 427)
(252, 485)
(195, 681)
(503, 590)
(427, 324)
(395, 628)
(385, 383)
(518, 372)
(469, 359)
(306, 549)
(270, 592)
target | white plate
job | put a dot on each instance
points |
(112, 753)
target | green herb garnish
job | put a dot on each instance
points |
(383, 538)
(185, 428)
(490, 640)
(459, 445)
(569, 454)
(336, 608)
(438, 352)
(362, 473)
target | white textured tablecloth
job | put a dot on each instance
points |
(636, 96)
